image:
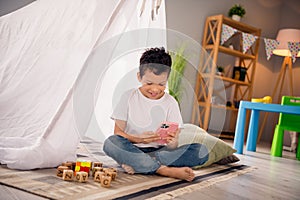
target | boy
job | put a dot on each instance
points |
(138, 115)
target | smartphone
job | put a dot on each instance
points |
(163, 130)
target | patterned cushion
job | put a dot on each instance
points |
(217, 148)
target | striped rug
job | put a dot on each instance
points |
(45, 183)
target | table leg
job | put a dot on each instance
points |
(253, 131)
(238, 143)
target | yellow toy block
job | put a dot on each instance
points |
(83, 166)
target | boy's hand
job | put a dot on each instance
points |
(148, 137)
(172, 138)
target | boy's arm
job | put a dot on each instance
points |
(120, 126)
(146, 137)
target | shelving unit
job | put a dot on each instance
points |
(206, 76)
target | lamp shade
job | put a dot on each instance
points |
(283, 37)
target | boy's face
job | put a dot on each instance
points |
(153, 86)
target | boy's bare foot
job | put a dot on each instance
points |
(184, 173)
(128, 169)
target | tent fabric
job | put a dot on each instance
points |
(44, 47)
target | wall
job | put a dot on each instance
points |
(189, 16)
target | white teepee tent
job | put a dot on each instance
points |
(45, 49)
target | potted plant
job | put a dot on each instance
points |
(178, 66)
(236, 12)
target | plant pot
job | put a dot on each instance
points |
(236, 18)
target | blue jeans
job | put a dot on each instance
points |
(148, 160)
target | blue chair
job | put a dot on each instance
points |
(287, 122)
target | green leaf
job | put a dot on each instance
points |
(177, 70)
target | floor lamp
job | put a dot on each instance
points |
(283, 37)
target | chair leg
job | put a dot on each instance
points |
(298, 148)
(277, 143)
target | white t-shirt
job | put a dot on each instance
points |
(143, 114)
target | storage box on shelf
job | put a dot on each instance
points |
(207, 78)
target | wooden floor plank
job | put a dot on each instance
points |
(274, 178)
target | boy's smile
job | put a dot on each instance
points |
(153, 86)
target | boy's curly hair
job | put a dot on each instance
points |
(157, 60)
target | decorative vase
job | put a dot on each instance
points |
(239, 73)
(236, 18)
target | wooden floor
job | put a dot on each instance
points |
(274, 178)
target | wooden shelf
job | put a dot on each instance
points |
(231, 52)
(240, 90)
(203, 104)
(224, 78)
(246, 28)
